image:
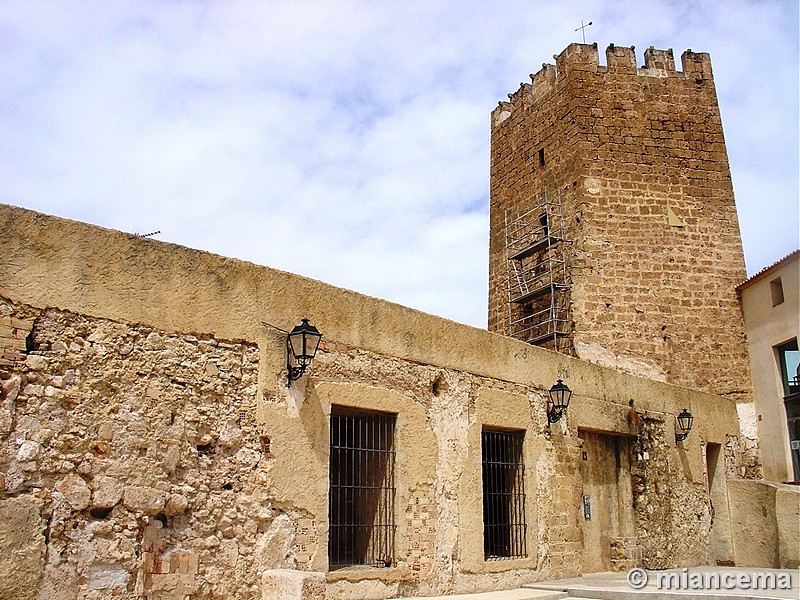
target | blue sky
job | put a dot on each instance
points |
(229, 126)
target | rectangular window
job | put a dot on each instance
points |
(776, 289)
(543, 222)
(789, 361)
(503, 494)
(361, 500)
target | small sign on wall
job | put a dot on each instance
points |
(795, 444)
(587, 508)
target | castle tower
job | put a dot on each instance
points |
(614, 233)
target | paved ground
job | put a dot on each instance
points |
(517, 594)
(704, 582)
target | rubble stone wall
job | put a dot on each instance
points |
(668, 509)
(140, 454)
(136, 464)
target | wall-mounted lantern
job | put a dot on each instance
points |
(559, 396)
(684, 425)
(301, 347)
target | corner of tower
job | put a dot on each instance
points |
(577, 57)
(696, 65)
(501, 113)
(542, 83)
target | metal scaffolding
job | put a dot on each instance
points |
(538, 289)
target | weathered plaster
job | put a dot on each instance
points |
(152, 424)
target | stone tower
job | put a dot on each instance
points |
(614, 233)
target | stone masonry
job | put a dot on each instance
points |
(134, 456)
(136, 463)
(636, 157)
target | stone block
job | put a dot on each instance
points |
(36, 362)
(176, 504)
(287, 584)
(22, 547)
(787, 508)
(170, 586)
(75, 491)
(108, 577)
(107, 491)
(144, 499)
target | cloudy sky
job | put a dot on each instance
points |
(231, 126)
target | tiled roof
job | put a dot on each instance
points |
(767, 269)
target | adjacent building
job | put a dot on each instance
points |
(771, 307)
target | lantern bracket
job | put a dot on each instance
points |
(557, 401)
(683, 425)
(301, 348)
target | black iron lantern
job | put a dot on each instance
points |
(301, 348)
(558, 402)
(684, 421)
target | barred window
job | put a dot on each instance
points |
(503, 494)
(362, 492)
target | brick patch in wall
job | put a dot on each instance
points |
(421, 530)
(306, 543)
(175, 573)
(13, 332)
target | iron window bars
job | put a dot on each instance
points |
(362, 491)
(504, 529)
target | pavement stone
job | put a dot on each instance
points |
(515, 594)
(614, 586)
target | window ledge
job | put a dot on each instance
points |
(360, 573)
(482, 566)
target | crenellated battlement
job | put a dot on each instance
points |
(544, 80)
(577, 57)
(696, 65)
(620, 60)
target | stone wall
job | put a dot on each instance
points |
(136, 464)
(151, 449)
(667, 510)
(765, 517)
(133, 456)
(636, 157)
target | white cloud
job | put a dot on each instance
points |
(229, 125)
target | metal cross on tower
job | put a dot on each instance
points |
(583, 29)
